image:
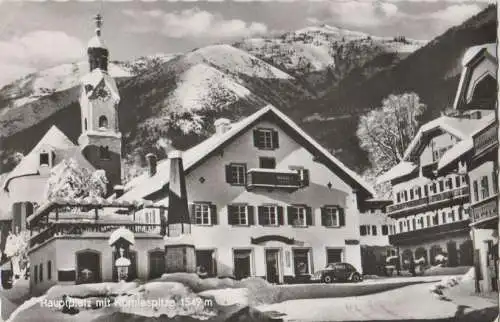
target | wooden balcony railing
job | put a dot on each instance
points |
(484, 210)
(413, 205)
(271, 178)
(486, 139)
(68, 229)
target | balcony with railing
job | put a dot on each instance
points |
(485, 210)
(486, 139)
(430, 233)
(73, 219)
(449, 197)
(288, 180)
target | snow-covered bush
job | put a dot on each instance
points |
(70, 181)
(16, 248)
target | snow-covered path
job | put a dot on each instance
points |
(413, 302)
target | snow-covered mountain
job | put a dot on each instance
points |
(171, 101)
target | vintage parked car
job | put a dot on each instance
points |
(337, 272)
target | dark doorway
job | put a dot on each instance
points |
(333, 255)
(88, 265)
(156, 264)
(205, 262)
(466, 253)
(452, 254)
(272, 266)
(301, 262)
(242, 263)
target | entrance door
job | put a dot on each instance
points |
(205, 262)
(452, 254)
(272, 266)
(88, 267)
(156, 264)
(242, 263)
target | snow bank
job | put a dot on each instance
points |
(25, 306)
(228, 296)
(89, 290)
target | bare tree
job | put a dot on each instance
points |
(386, 132)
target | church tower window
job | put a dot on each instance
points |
(85, 125)
(104, 153)
(103, 122)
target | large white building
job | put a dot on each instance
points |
(266, 200)
(477, 157)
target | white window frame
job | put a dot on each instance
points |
(266, 138)
(237, 177)
(301, 212)
(200, 210)
(269, 215)
(239, 214)
(334, 216)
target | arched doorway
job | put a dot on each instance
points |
(407, 257)
(88, 264)
(421, 253)
(452, 254)
(435, 251)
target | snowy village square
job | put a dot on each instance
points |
(249, 161)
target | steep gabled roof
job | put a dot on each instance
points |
(144, 186)
(55, 140)
(469, 60)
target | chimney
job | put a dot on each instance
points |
(151, 158)
(178, 222)
(119, 190)
(222, 125)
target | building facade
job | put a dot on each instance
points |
(375, 228)
(431, 209)
(477, 158)
(266, 200)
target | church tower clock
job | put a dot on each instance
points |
(101, 140)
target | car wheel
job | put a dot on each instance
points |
(356, 278)
(327, 279)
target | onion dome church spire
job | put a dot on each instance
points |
(97, 52)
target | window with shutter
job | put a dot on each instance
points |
(213, 214)
(362, 230)
(385, 230)
(238, 215)
(374, 230)
(298, 216)
(266, 139)
(331, 216)
(268, 215)
(250, 211)
(202, 214)
(236, 174)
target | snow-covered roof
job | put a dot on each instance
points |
(54, 140)
(121, 232)
(453, 154)
(95, 77)
(146, 185)
(461, 128)
(401, 169)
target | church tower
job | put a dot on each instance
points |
(101, 140)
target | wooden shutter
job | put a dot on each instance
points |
(280, 215)
(251, 219)
(229, 177)
(256, 138)
(213, 214)
(291, 212)
(309, 216)
(323, 214)
(230, 215)
(305, 177)
(191, 215)
(260, 212)
(276, 143)
(341, 217)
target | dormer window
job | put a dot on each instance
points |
(103, 122)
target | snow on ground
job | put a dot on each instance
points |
(228, 296)
(229, 58)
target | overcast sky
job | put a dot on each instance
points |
(36, 35)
